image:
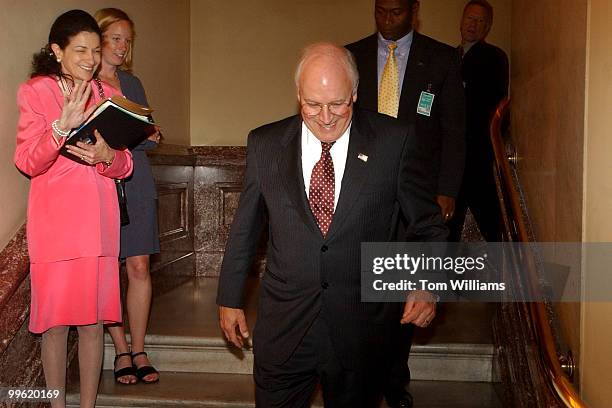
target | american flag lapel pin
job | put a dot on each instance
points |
(362, 157)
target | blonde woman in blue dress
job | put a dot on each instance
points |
(139, 238)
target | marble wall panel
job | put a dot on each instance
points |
(214, 186)
(173, 176)
(14, 287)
(21, 366)
(217, 190)
(14, 314)
(173, 201)
(19, 349)
(218, 176)
(13, 265)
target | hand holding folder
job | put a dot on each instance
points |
(122, 123)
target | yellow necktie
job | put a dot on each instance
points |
(388, 94)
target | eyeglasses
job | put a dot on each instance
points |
(336, 108)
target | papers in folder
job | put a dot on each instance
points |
(121, 122)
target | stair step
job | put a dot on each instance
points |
(184, 336)
(443, 362)
(208, 390)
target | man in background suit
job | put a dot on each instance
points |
(429, 95)
(425, 66)
(485, 76)
(327, 180)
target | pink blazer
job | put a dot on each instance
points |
(72, 208)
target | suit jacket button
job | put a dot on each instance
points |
(324, 248)
(324, 285)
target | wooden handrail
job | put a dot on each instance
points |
(540, 325)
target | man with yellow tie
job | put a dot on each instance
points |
(416, 79)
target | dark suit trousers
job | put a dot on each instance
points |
(478, 192)
(399, 375)
(292, 384)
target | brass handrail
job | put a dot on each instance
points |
(557, 379)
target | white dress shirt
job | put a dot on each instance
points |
(311, 153)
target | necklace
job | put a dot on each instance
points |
(100, 89)
(64, 85)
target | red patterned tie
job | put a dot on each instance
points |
(321, 192)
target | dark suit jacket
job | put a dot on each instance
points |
(434, 66)
(485, 75)
(308, 275)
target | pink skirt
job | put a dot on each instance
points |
(76, 292)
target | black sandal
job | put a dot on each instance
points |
(143, 371)
(125, 371)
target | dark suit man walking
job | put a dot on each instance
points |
(429, 94)
(327, 180)
(485, 75)
(426, 68)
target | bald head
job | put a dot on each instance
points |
(326, 79)
(330, 57)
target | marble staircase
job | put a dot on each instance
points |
(454, 357)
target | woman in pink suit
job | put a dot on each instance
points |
(73, 216)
